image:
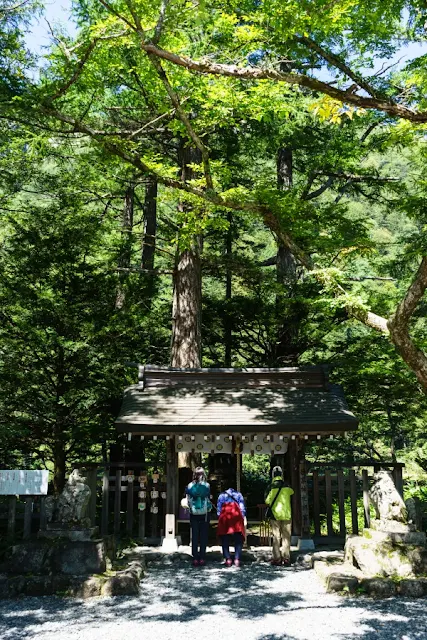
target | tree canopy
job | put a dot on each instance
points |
(264, 161)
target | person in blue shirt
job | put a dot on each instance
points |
(231, 512)
(198, 494)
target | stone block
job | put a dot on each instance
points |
(86, 587)
(341, 582)
(79, 558)
(30, 557)
(73, 534)
(379, 587)
(305, 561)
(110, 546)
(16, 586)
(124, 583)
(61, 584)
(411, 588)
(4, 586)
(38, 586)
(396, 537)
(384, 557)
(120, 585)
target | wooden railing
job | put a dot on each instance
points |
(339, 489)
(335, 490)
(21, 516)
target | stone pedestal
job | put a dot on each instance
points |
(305, 544)
(387, 554)
(73, 534)
(170, 545)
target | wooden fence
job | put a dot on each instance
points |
(21, 516)
(338, 501)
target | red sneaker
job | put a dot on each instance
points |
(237, 563)
(202, 563)
(228, 562)
(286, 562)
(195, 563)
(276, 563)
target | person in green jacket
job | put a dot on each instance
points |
(279, 500)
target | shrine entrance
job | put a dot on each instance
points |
(224, 457)
(224, 414)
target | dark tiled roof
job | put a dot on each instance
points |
(284, 405)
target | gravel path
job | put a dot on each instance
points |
(256, 602)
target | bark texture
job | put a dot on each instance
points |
(186, 312)
(126, 244)
(150, 224)
(286, 347)
(398, 326)
(256, 73)
(149, 239)
(187, 299)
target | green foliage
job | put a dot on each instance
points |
(101, 119)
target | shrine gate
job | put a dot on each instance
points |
(234, 412)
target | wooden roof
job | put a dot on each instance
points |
(291, 400)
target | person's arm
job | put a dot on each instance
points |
(241, 504)
(219, 504)
(269, 497)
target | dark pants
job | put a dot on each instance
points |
(237, 539)
(199, 536)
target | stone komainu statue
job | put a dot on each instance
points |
(71, 506)
(387, 501)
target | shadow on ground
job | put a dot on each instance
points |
(256, 602)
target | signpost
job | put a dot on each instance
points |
(15, 482)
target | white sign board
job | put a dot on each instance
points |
(23, 482)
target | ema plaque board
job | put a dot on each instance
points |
(23, 482)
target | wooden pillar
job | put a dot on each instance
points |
(293, 469)
(105, 501)
(91, 481)
(238, 456)
(171, 485)
(366, 499)
(238, 471)
(305, 515)
(11, 520)
(28, 513)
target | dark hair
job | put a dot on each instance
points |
(199, 475)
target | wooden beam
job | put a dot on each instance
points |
(117, 501)
(316, 503)
(353, 498)
(328, 491)
(105, 503)
(366, 500)
(129, 508)
(341, 501)
(28, 514)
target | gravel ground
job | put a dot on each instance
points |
(255, 602)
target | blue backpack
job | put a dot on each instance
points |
(199, 502)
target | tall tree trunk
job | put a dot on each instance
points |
(228, 324)
(59, 466)
(126, 244)
(286, 263)
(286, 274)
(187, 298)
(150, 230)
(187, 294)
